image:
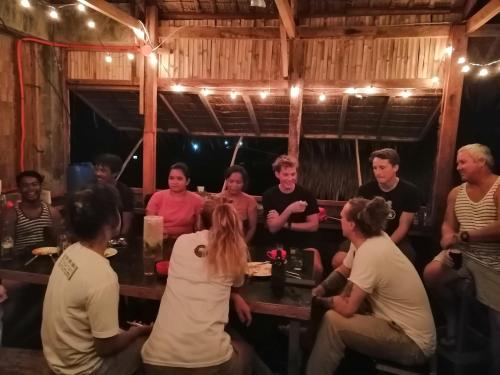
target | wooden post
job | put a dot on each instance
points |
(447, 137)
(150, 109)
(297, 80)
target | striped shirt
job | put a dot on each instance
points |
(30, 232)
(475, 215)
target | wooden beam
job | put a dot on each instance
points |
(218, 16)
(251, 113)
(486, 13)
(445, 157)
(487, 31)
(165, 84)
(393, 31)
(418, 83)
(286, 15)
(343, 114)
(113, 12)
(150, 110)
(284, 51)
(297, 79)
(172, 111)
(430, 121)
(212, 113)
(374, 12)
(218, 32)
(385, 113)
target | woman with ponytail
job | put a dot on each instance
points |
(188, 336)
(400, 326)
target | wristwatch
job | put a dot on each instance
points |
(464, 236)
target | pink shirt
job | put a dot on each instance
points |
(179, 212)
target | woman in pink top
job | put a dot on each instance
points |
(179, 207)
(245, 205)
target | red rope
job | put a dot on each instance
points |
(19, 51)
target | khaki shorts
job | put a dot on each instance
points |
(486, 280)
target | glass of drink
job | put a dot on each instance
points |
(7, 247)
(456, 256)
(152, 243)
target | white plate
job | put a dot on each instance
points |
(110, 251)
(46, 250)
(259, 269)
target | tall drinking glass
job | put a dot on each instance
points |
(153, 242)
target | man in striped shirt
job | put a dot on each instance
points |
(31, 222)
(471, 225)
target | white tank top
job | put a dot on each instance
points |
(474, 215)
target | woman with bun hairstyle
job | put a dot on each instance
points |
(400, 326)
(188, 335)
(80, 332)
(246, 206)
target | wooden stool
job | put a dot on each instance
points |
(14, 361)
(388, 367)
(471, 346)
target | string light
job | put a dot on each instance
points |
(233, 94)
(483, 72)
(91, 24)
(53, 13)
(322, 97)
(295, 91)
(263, 94)
(81, 7)
(153, 59)
(138, 33)
(108, 58)
(25, 3)
(448, 50)
(465, 69)
(130, 56)
(405, 94)
(205, 92)
(370, 90)
(177, 87)
(435, 80)
(461, 60)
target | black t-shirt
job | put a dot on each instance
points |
(404, 197)
(275, 199)
(126, 197)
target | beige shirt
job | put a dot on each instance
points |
(189, 330)
(394, 288)
(81, 303)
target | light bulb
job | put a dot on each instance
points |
(448, 50)
(81, 7)
(25, 3)
(108, 59)
(461, 60)
(322, 97)
(138, 33)
(263, 95)
(295, 91)
(233, 94)
(91, 24)
(435, 80)
(130, 56)
(405, 94)
(205, 92)
(153, 59)
(53, 14)
(177, 87)
(483, 72)
(465, 69)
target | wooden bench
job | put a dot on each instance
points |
(14, 361)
